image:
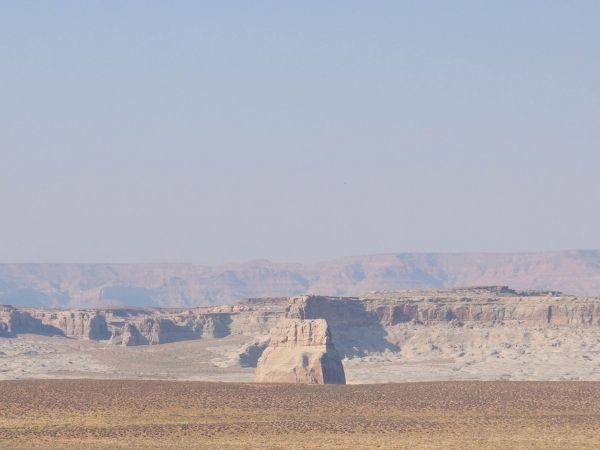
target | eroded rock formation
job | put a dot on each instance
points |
(485, 305)
(145, 326)
(14, 321)
(300, 351)
(77, 324)
(359, 324)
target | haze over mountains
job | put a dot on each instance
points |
(171, 285)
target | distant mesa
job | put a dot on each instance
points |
(301, 351)
(189, 285)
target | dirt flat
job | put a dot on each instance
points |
(163, 414)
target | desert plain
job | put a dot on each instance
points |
(160, 414)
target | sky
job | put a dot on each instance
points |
(208, 132)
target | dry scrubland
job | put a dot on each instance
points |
(109, 414)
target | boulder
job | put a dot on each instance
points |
(300, 351)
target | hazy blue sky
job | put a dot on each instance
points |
(216, 131)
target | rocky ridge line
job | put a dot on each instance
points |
(371, 315)
(189, 285)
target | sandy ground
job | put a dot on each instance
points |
(34, 356)
(433, 353)
(438, 353)
(159, 414)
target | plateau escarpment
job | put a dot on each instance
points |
(368, 324)
(358, 322)
(483, 305)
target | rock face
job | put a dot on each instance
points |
(486, 305)
(14, 321)
(147, 326)
(77, 324)
(300, 351)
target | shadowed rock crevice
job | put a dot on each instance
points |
(358, 331)
(251, 353)
(156, 330)
(14, 322)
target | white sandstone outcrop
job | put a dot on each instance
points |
(300, 351)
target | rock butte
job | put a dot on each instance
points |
(300, 351)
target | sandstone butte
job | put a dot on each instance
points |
(301, 351)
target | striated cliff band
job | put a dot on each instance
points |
(488, 305)
(189, 285)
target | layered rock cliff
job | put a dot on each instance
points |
(489, 305)
(14, 321)
(76, 324)
(300, 351)
(359, 323)
(145, 326)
